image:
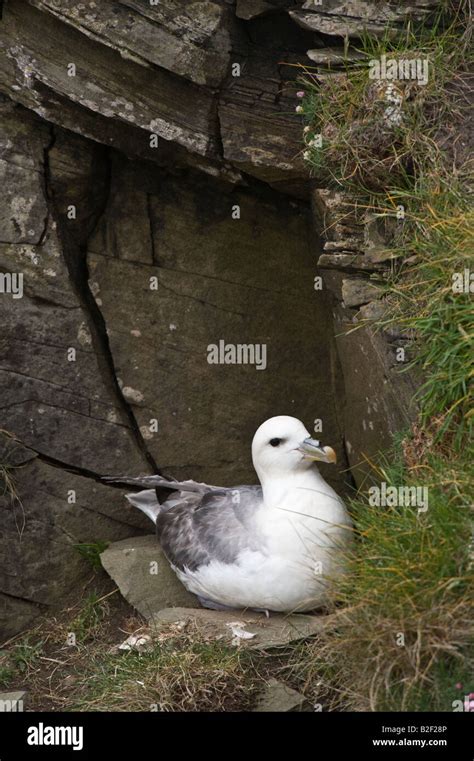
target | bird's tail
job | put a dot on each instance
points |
(147, 502)
(158, 482)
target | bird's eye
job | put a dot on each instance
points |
(275, 442)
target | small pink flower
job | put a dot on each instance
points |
(458, 686)
(300, 94)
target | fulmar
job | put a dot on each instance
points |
(274, 547)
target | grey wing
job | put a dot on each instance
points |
(218, 527)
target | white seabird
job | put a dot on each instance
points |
(271, 547)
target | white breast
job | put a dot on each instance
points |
(304, 529)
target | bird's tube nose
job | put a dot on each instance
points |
(313, 450)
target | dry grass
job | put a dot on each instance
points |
(405, 635)
(185, 669)
(378, 132)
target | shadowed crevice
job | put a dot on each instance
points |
(75, 255)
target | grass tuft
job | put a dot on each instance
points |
(179, 674)
(404, 635)
(378, 130)
(407, 601)
(92, 552)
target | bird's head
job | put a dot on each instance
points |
(283, 445)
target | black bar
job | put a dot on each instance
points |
(139, 736)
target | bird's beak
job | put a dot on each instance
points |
(312, 450)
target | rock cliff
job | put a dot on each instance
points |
(155, 202)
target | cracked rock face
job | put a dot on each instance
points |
(91, 354)
(53, 394)
(352, 18)
(49, 514)
(155, 204)
(56, 397)
(147, 69)
(188, 38)
(218, 279)
(379, 398)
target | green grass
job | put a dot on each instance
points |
(92, 552)
(177, 675)
(88, 623)
(404, 637)
(7, 674)
(367, 139)
(437, 243)
(182, 667)
(18, 662)
(451, 680)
